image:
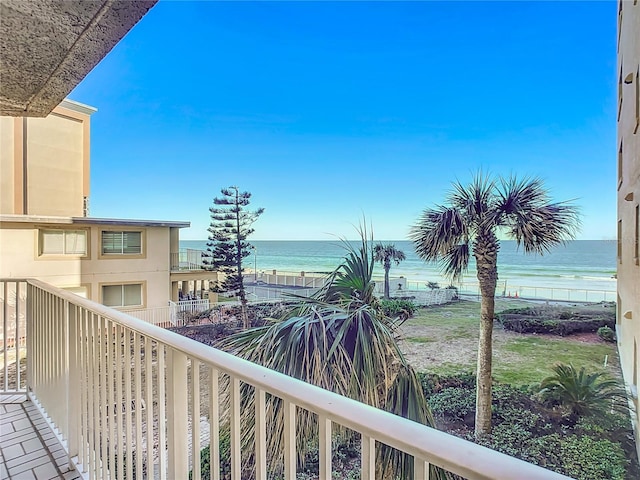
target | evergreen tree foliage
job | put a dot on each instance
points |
(231, 225)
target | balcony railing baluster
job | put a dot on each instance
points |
(235, 436)
(214, 423)
(195, 419)
(324, 446)
(289, 412)
(149, 382)
(261, 434)
(368, 457)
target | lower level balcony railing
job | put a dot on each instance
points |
(131, 400)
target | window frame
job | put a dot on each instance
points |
(143, 244)
(143, 293)
(637, 85)
(40, 232)
(620, 252)
(636, 236)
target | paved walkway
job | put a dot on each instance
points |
(28, 448)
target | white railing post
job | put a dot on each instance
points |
(177, 415)
(5, 329)
(234, 433)
(261, 434)
(30, 336)
(214, 424)
(421, 469)
(289, 412)
(324, 447)
(73, 375)
(368, 457)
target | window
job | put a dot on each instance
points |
(63, 242)
(620, 91)
(620, 165)
(121, 243)
(619, 241)
(122, 295)
(637, 100)
(619, 23)
(636, 246)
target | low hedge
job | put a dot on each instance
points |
(555, 322)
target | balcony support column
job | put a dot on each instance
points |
(174, 292)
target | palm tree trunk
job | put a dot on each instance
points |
(486, 253)
(386, 280)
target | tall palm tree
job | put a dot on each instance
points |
(469, 225)
(341, 341)
(385, 254)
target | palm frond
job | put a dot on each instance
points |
(338, 340)
(387, 253)
(531, 219)
(437, 231)
(474, 199)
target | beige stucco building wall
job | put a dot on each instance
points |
(22, 256)
(44, 187)
(44, 162)
(628, 321)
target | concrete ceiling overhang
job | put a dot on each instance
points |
(48, 46)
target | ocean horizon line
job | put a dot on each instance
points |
(376, 241)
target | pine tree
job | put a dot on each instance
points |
(227, 246)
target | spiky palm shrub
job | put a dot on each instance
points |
(341, 341)
(581, 394)
(469, 225)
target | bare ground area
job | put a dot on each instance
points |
(443, 339)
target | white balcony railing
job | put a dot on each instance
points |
(128, 399)
(172, 315)
(188, 259)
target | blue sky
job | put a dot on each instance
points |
(330, 111)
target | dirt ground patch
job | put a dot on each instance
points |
(444, 340)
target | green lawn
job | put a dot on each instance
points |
(443, 340)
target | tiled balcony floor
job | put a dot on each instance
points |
(28, 448)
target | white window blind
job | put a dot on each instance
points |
(63, 242)
(121, 243)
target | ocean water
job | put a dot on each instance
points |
(578, 265)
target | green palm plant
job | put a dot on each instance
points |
(469, 225)
(341, 341)
(385, 254)
(581, 394)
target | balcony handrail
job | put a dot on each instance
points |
(447, 451)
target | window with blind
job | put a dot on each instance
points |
(121, 243)
(63, 242)
(128, 295)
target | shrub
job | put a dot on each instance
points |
(581, 393)
(454, 403)
(225, 458)
(585, 458)
(398, 308)
(607, 334)
(534, 322)
(434, 383)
